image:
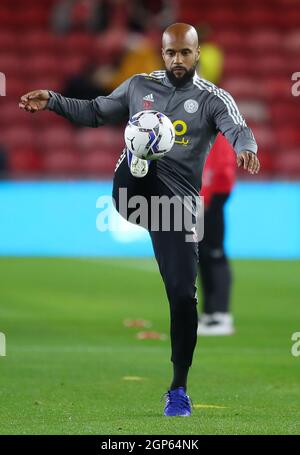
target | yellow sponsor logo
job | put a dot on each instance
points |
(180, 129)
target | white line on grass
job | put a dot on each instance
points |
(83, 349)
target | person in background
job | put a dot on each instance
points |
(140, 55)
(90, 83)
(218, 180)
(78, 15)
(3, 161)
(144, 15)
(214, 269)
(211, 60)
(101, 15)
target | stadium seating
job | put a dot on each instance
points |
(287, 163)
(24, 161)
(57, 138)
(61, 162)
(96, 162)
(261, 46)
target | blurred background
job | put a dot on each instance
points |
(72, 365)
(85, 48)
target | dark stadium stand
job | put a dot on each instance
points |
(261, 43)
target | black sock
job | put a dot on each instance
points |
(180, 374)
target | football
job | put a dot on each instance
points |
(149, 135)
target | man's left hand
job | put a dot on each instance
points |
(249, 160)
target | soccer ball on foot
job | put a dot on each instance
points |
(149, 135)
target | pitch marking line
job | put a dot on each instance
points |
(133, 378)
(208, 406)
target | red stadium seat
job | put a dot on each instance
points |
(10, 64)
(39, 40)
(57, 138)
(17, 136)
(237, 64)
(54, 83)
(263, 40)
(264, 135)
(24, 160)
(29, 3)
(220, 17)
(276, 88)
(266, 159)
(118, 138)
(293, 64)
(287, 136)
(82, 43)
(287, 112)
(73, 64)
(98, 163)
(5, 15)
(15, 88)
(106, 138)
(229, 39)
(265, 65)
(253, 109)
(259, 17)
(242, 87)
(41, 65)
(36, 17)
(46, 119)
(8, 41)
(61, 162)
(108, 47)
(287, 162)
(14, 116)
(291, 17)
(291, 41)
(91, 138)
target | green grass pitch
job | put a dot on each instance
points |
(68, 351)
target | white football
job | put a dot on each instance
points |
(149, 135)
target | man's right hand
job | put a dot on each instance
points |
(34, 101)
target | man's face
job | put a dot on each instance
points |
(181, 56)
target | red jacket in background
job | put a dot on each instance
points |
(219, 171)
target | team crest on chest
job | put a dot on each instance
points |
(191, 106)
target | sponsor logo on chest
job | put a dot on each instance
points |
(148, 101)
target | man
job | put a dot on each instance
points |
(198, 111)
(214, 269)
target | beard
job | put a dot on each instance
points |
(181, 81)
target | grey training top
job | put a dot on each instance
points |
(198, 110)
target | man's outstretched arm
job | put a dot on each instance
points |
(77, 111)
(97, 112)
(232, 125)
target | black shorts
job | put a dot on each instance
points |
(177, 258)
